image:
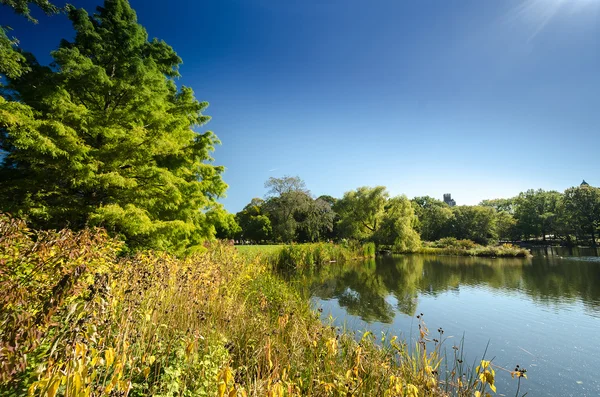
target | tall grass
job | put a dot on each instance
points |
(314, 255)
(76, 320)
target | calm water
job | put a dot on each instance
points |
(541, 313)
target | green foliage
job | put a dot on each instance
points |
(294, 214)
(225, 223)
(106, 138)
(309, 256)
(315, 221)
(12, 62)
(506, 226)
(21, 7)
(582, 207)
(434, 218)
(536, 212)
(396, 227)
(360, 212)
(288, 197)
(368, 214)
(255, 225)
(369, 250)
(501, 205)
(474, 223)
(451, 242)
(452, 246)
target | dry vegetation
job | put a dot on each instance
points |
(78, 320)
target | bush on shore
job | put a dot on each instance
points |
(452, 246)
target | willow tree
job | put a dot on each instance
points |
(368, 214)
(105, 137)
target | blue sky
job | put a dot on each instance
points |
(481, 99)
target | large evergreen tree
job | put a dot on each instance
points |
(105, 137)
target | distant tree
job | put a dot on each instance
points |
(285, 212)
(536, 212)
(361, 212)
(500, 205)
(506, 226)
(255, 225)
(582, 206)
(434, 218)
(106, 138)
(287, 184)
(328, 199)
(396, 226)
(333, 233)
(475, 223)
(368, 214)
(315, 220)
(287, 199)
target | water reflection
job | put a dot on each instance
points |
(363, 288)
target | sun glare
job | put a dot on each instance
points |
(539, 13)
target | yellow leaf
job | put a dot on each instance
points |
(109, 356)
(146, 372)
(478, 394)
(222, 388)
(151, 360)
(189, 348)
(124, 386)
(77, 383)
(53, 388)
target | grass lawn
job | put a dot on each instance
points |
(254, 250)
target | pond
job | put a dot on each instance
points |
(541, 313)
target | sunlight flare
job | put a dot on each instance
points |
(539, 13)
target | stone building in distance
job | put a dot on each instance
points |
(448, 200)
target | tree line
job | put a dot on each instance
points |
(290, 213)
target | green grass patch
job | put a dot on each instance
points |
(252, 251)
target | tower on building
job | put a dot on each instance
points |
(448, 200)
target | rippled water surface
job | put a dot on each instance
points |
(541, 313)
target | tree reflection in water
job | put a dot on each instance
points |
(375, 289)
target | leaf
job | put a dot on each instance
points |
(109, 356)
(222, 388)
(77, 383)
(188, 349)
(53, 388)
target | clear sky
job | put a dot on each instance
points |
(481, 99)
